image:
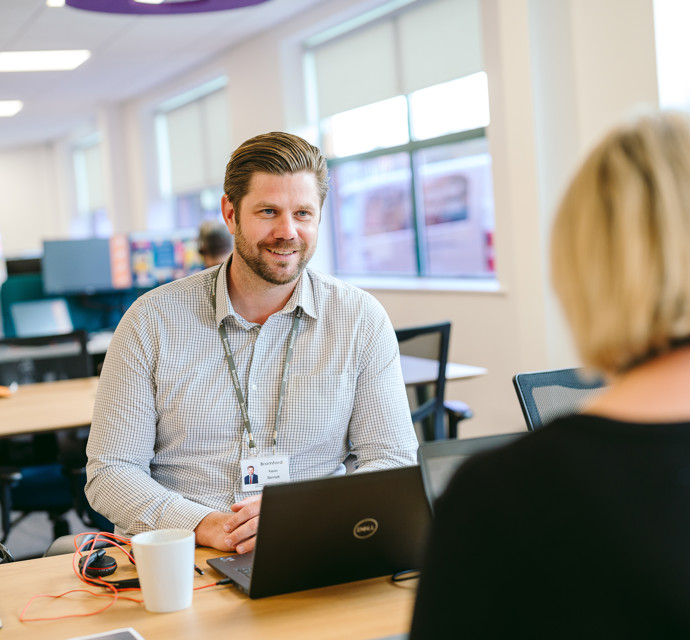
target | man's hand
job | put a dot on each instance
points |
(240, 528)
(210, 533)
(231, 531)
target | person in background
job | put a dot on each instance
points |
(581, 529)
(260, 361)
(215, 243)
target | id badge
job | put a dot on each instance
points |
(258, 472)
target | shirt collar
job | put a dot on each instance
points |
(223, 305)
(302, 296)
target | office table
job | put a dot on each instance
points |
(369, 609)
(65, 404)
(48, 406)
(419, 371)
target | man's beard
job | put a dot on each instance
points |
(261, 268)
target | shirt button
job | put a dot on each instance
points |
(254, 387)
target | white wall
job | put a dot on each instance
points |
(593, 62)
(559, 74)
(32, 201)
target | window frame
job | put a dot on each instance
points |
(410, 148)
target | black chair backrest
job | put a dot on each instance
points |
(547, 395)
(45, 358)
(430, 342)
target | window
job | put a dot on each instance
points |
(192, 209)
(91, 219)
(424, 207)
(671, 19)
(373, 218)
(192, 133)
(412, 193)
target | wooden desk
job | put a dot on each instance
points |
(48, 406)
(359, 610)
(417, 371)
(67, 404)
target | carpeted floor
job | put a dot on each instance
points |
(33, 535)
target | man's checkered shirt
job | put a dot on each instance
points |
(167, 435)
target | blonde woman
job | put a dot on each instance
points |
(582, 529)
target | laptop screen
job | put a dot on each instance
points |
(41, 318)
(440, 459)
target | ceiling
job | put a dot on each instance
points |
(130, 55)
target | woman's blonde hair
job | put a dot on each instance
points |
(620, 251)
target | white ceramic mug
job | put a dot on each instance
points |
(165, 564)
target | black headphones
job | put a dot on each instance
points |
(97, 565)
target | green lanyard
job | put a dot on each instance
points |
(233, 369)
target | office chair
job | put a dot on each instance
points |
(21, 287)
(39, 472)
(547, 395)
(5, 555)
(427, 401)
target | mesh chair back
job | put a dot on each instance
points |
(426, 401)
(547, 395)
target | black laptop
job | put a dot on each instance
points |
(317, 533)
(440, 459)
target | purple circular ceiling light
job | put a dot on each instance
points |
(166, 7)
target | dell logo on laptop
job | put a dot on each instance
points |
(365, 528)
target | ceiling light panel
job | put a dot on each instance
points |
(42, 60)
(10, 108)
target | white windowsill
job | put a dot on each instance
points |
(424, 284)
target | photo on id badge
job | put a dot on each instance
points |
(258, 472)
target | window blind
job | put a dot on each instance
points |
(425, 44)
(198, 142)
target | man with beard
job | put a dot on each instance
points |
(259, 362)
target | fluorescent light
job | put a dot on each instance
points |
(42, 60)
(55, 3)
(10, 108)
(149, 1)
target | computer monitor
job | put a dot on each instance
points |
(163, 256)
(35, 318)
(90, 265)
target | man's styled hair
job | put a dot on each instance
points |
(620, 248)
(276, 153)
